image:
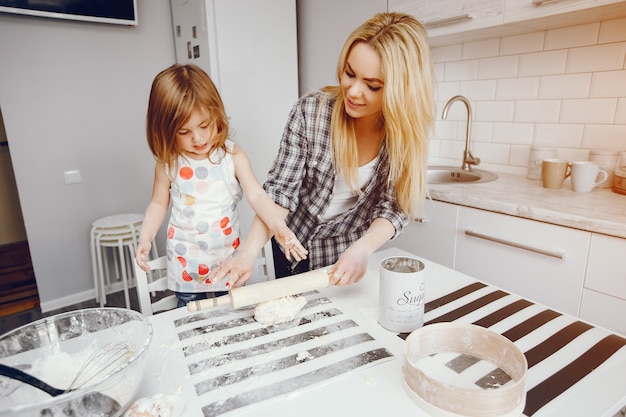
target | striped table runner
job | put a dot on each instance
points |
(559, 349)
(235, 362)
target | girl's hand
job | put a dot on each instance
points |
(290, 244)
(237, 270)
(141, 255)
(351, 265)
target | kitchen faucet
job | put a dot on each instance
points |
(468, 158)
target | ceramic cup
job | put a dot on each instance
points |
(607, 161)
(554, 172)
(586, 175)
(401, 294)
(535, 158)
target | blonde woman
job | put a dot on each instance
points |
(204, 175)
(351, 166)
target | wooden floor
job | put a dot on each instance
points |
(19, 299)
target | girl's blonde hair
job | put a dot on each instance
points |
(408, 108)
(176, 92)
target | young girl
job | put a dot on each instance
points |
(203, 173)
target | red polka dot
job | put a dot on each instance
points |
(228, 231)
(203, 269)
(224, 222)
(170, 232)
(186, 173)
(186, 276)
(236, 243)
(182, 261)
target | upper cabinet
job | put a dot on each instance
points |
(444, 17)
(454, 21)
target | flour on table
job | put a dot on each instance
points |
(278, 311)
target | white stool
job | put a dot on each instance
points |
(119, 231)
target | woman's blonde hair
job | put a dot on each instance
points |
(176, 92)
(408, 108)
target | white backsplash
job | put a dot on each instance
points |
(564, 88)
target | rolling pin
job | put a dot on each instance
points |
(266, 291)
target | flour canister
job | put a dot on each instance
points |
(401, 294)
(607, 161)
(535, 157)
(619, 183)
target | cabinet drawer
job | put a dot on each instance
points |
(604, 310)
(606, 267)
(539, 261)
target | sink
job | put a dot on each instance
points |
(453, 174)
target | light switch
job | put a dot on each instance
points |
(72, 177)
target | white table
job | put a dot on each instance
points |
(315, 375)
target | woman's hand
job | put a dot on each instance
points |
(290, 244)
(141, 255)
(237, 270)
(351, 266)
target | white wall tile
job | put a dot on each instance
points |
(445, 90)
(604, 137)
(565, 86)
(513, 133)
(546, 88)
(571, 37)
(517, 88)
(539, 111)
(481, 132)
(612, 31)
(461, 70)
(605, 57)
(620, 113)
(500, 67)
(482, 49)
(495, 111)
(542, 63)
(447, 53)
(558, 135)
(479, 89)
(608, 84)
(491, 153)
(598, 110)
(522, 44)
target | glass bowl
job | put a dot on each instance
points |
(104, 347)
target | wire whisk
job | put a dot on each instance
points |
(101, 363)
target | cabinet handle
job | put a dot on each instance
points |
(559, 255)
(540, 2)
(447, 21)
(421, 220)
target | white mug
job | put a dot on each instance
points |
(585, 176)
(401, 294)
(535, 158)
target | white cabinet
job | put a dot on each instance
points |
(454, 21)
(604, 295)
(432, 235)
(539, 261)
(443, 17)
(525, 10)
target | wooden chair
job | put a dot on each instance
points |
(147, 288)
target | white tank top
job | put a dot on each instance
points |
(343, 197)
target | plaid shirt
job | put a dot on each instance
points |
(302, 180)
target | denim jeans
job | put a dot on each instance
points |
(186, 297)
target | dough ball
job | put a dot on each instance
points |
(278, 311)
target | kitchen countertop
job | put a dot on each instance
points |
(600, 211)
(335, 359)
